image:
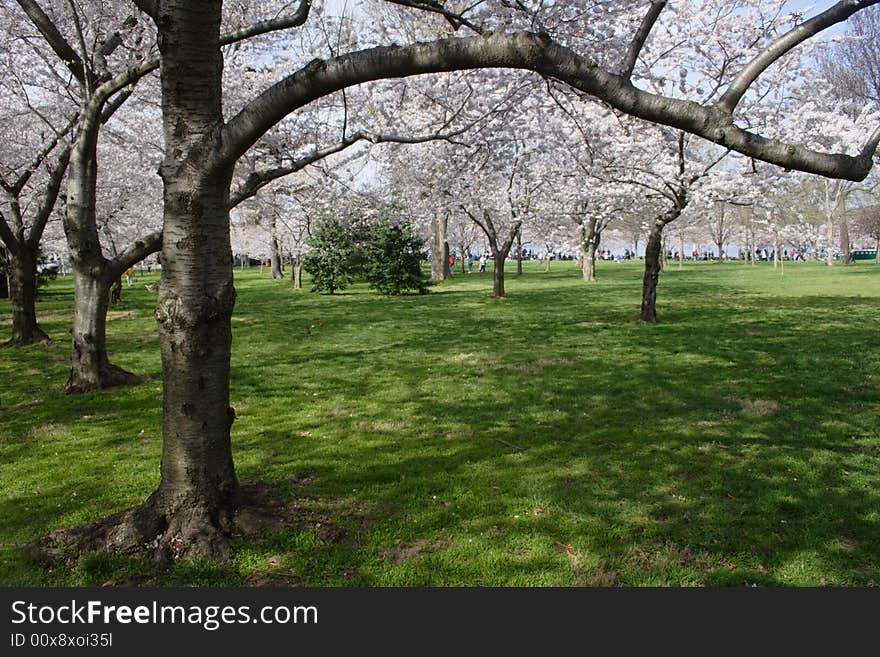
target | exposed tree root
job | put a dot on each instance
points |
(38, 336)
(110, 376)
(168, 528)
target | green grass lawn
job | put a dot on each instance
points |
(549, 439)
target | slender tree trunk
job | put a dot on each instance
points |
(653, 266)
(681, 252)
(277, 267)
(519, 266)
(296, 272)
(845, 246)
(23, 296)
(829, 258)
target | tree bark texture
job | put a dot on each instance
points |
(498, 274)
(653, 266)
(190, 514)
(90, 368)
(439, 250)
(654, 257)
(93, 274)
(591, 238)
(277, 266)
(845, 246)
(23, 296)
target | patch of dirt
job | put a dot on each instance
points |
(597, 577)
(536, 365)
(338, 412)
(121, 314)
(382, 427)
(403, 551)
(762, 407)
(45, 430)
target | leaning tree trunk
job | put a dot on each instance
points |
(654, 251)
(23, 296)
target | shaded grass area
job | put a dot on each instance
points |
(452, 439)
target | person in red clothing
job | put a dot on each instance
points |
(451, 264)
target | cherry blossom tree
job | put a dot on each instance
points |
(36, 121)
(193, 507)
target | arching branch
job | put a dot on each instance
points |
(522, 50)
(784, 44)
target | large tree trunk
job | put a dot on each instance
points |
(653, 266)
(590, 241)
(439, 250)
(277, 269)
(90, 368)
(589, 263)
(23, 296)
(498, 275)
(190, 514)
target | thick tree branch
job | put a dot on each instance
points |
(136, 252)
(638, 42)
(520, 50)
(483, 227)
(788, 41)
(54, 38)
(7, 236)
(20, 182)
(50, 195)
(149, 7)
